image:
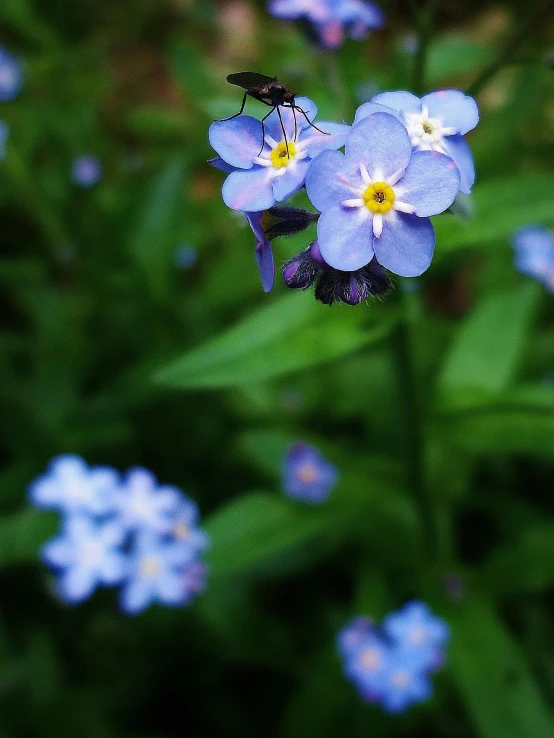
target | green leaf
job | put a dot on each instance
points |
(487, 348)
(290, 334)
(450, 56)
(21, 535)
(500, 207)
(493, 677)
(256, 528)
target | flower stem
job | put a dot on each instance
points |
(424, 19)
(534, 20)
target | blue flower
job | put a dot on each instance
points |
(270, 171)
(11, 76)
(376, 198)
(263, 251)
(184, 526)
(157, 571)
(417, 632)
(142, 504)
(391, 664)
(70, 486)
(332, 19)
(87, 554)
(436, 122)
(307, 475)
(4, 133)
(194, 579)
(534, 253)
(86, 171)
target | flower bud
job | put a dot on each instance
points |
(300, 271)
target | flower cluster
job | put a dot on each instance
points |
(534, 253)
(391, 664)
(307, 475)
(126, 531)
(404, 160)
(332, 20)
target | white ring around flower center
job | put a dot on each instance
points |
(425, 132)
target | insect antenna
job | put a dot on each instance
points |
(310, 122)
(283, 129)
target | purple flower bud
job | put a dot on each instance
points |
(352, 287)
(300, 271)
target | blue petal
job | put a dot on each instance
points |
(263, 252)
(373, 107)
(171, 588)
(309, 107)
(77, 584)
(400, 100)
(273, 124)
(237, 141)
(135, 596)
(457, 149)
(290, 182)
(248, 190)
(406, 244)
(430, 183)
(218, 163)
(334, 137)
(381, 142)
(344, 238)
(323, 182)
(454, 109)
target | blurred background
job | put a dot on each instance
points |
(134, 331)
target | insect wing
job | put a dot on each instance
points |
(249, 80)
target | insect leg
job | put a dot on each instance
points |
(295, 124)
(263, 129)
(283, 129)
(310, 122)
(221, 120)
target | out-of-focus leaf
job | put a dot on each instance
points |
(157, 124)
(493, 678)
(450, 56)
(21, 535)
(256, 527)
(487, 348)
(290, 334)
(498, 211)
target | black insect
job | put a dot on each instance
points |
(270, 92)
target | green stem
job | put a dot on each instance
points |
(413, 431)
(424, 19)
(511, 46)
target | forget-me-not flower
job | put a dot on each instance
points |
(391, 664)
(307, 474)
(11, 76)
(71, 486)
(436, 122)
(143, 504)
(271, 170)
(534, 253)
(86, 171)
(376, 199)
(332, 19)
(86, 554)
(156, 573)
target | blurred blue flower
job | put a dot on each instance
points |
(534, 253)
(70, 486)
(391, 664)
(417, 632)
(332, 19)
(156, 573)
(376, 198)
(11, 76)
(4, 133)
(307, 475)
(86, 171)
(436, 122)
(185, 257)
(142, 504)
(270, 171)
(184, 527)
(86, 554)
(194, 579)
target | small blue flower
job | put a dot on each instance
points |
(142, 504)
(70, 486)
(436, 122)
(534, 253)
(415, 630)
(184, 526)
(86, 554)
(11, 76)
(4, 134)
(352, 635)
(156, 573)
(194, 579)
(272, 172)
(332, 19)
(307, 475)
(86, 171)
(402, 683)
(376, 198)
(367, 664)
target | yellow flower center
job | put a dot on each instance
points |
(181, 530)
(280, 157)
(370, 659)
(379, 197)
(400, 679)
(307, 473)
(150, 567)
(427, 127)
